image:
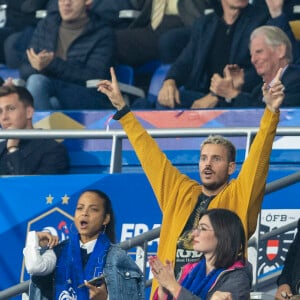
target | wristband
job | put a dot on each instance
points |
(122, 112)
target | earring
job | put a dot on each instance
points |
(103, 228)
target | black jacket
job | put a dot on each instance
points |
(291, 271)
(34, 157)
(89, 56)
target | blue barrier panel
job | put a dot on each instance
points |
(39, 202)
(48, 202)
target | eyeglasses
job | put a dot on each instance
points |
(200, 228)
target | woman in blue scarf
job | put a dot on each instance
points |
(87, 254)
(222, 271)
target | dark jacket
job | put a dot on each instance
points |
(188, 11)
(34, 157)
(189, 70)
(16, 18)
(291, 81)
(109, 10)
(291, 271)
(89, 56)
(22, 13)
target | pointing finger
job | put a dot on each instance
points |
(113, 76)
(278, 75)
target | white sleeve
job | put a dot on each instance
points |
(35, 263)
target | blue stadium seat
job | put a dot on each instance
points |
(125, 74)
(156, 82)
(6, 72)
(147, 68)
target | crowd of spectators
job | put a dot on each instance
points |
(199, 38)
(237, 55)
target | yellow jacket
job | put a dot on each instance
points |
(177, 194)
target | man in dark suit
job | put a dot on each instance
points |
(218, 39)
(270, 50)
(26, 156)
(138, 43)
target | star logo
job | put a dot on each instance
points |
(65, 199)
(49, 199)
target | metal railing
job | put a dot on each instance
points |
(117, 136)
(256, 241)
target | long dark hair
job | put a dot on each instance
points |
(110, 227)
(230, 234)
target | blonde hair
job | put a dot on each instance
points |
(220, 140)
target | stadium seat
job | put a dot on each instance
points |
(147, 68)
(148, 101)
(6, 72)
(156, 82)
(125, 74)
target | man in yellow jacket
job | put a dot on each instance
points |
(180, 198)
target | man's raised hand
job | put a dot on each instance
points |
(112, 91)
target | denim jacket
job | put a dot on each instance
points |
(124, 279)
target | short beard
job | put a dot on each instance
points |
(213, 186)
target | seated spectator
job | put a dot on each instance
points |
(218, 39)
(221, 272)
(26, 156)
(88, 253)
(16, 43)
(79, 47)
(270, 50)
(138, 43)
(172, 42)
(16, 20)
(289, 280)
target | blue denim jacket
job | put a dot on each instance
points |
(124, 279)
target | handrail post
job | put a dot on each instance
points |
(116, 155)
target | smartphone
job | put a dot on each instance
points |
(96, 281)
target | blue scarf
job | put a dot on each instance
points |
(70, 272)
(197, 282)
